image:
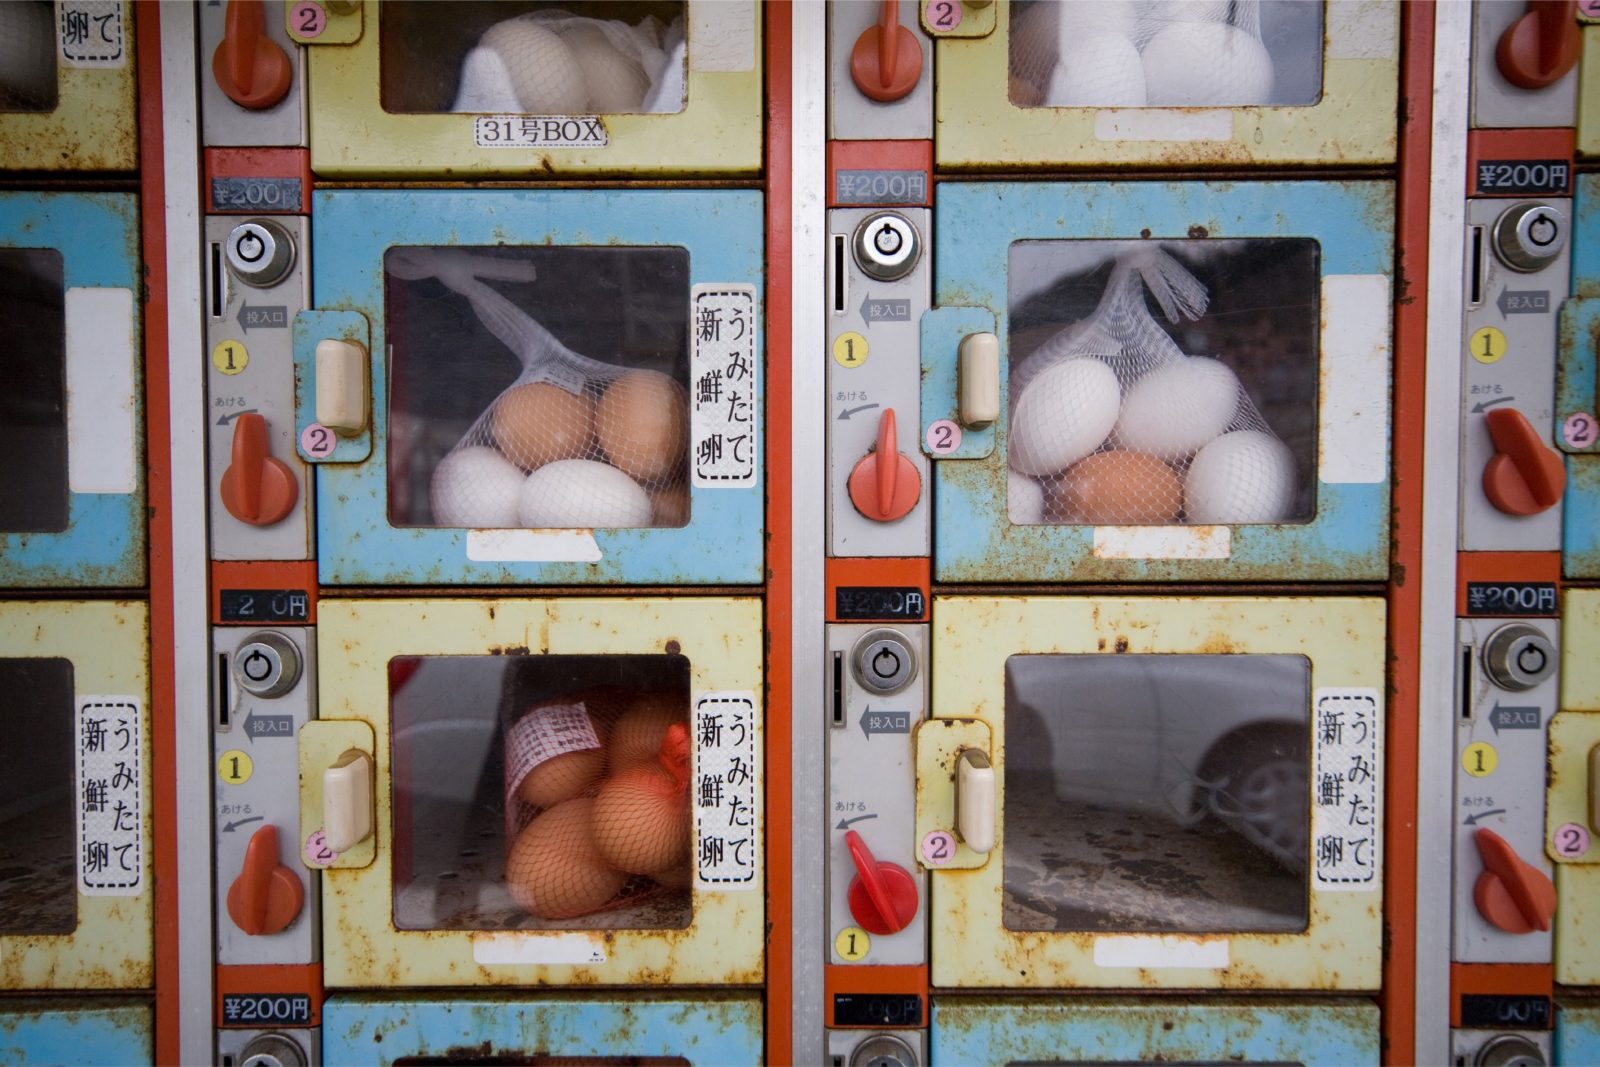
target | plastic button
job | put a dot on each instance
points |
(250, 68)
(1525, 476)
(1540, 47)
(882, 896)
(1510, 894)
(886, 61)
(885, 485)
(342, 386)
(267, 896)
(257, 488)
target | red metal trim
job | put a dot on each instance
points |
(881, 155)
(258, 163)
(1485, 146)
(300, 575)
(908, 572)
(1503, 567)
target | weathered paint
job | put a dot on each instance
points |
(112, 946)
(723, 542)
(1144, 1030)
(103, 545)
(1354, 121)
(1577, 1036)
(91, 128)
(709, 1028)
(1573, 732)
(356, 639)
(1343, 638)
(717, 132)
(974, 539)
(94, 1032)
(1576, 382)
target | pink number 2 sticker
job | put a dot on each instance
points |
(1571, 840)
(1580, 427)
(317, 441)
(943, 437)
(308, 19)
(318, 854)
(942, 16)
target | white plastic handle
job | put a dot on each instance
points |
(347, 801)
(342, 386)
(975, 808)
(978, 379)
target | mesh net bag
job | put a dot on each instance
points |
(555, 63)
(594, 826)
(1138, 53)
(1112, 424)
(573, 442)
(27, 56)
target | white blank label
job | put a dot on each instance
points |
(1353, 436)
(101, 424)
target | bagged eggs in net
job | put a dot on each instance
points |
(1116, 426)
(641, 815)
(557, 63)
(1139, 53)
(572, 441)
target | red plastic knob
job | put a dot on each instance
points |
(1525, 476)
(1541, 46)
(257, 488)
(1511, 895)
(883, 896)
(250, 67)
(266, 896)
(887, 58)
(885, 485)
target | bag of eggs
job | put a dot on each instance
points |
(556, 63)
(597, 801)
(1111, 423)
(572, 442)
(1139, 53)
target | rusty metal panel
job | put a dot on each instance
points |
(91, 124)
(91, 1032)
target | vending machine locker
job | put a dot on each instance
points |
(100, 1032)
(1577, 413)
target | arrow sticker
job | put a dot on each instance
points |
(885, 310)
(225, 419)
(1514, 718)
(232, 826)
(1523, 301)
(885, 722)
(1472, 820)
(844, 824)
(1484, 405)
(268, 726)
(847, 412)
(263, 318)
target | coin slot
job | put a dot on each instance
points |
(224, 697)
(838, 273)
(838, 689)
(1477, 268)
(1466, 682)
(217, 281)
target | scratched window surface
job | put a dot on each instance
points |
(539, 58)
(541, 792)
(28, 61)
(1165, 382)
(33, 391)
(538, 387)
(1157, 793)
(38, 804)
(1175, 53)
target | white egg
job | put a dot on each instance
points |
(1065, 413)
(616, 82)
(1117, 16)
(476, 488)
(1024, 499)
(1244, 476)
(540, 65)
(1096, 68)
(1206, 64)
(1178, 407)
(582, 493)
(1161, 12)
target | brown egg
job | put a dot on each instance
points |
(1115, 488)
(538, 423)
(555, 871)
(571, 773)
(638, 734)
(641, 820)
(670, 507)
(643, 424)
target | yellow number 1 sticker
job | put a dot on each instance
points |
(1487, 345)
(850, 349)
(852, 943)
(235, 767)
(230, 357)
(1479, 759)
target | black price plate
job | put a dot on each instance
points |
(1498, 1012)
(1511, 598)
(266, 1009)
(265, 605)
(877, 1009)
(1523, 177)
(860, 603)
(255, 194)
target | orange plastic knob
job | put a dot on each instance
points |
(1511, 895)
(887, 58)
(1525, 476)
(1541, 46)
(257, 488)
(883, 896)
(250, 67)
(885, 485)
(266, 896)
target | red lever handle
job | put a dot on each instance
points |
(883, 896)
(250, 67)
(885, 485)
(257, 488)
(1511, 895)
(266, 896)
(1525, 476)
(1541, 46)
(887, 58)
